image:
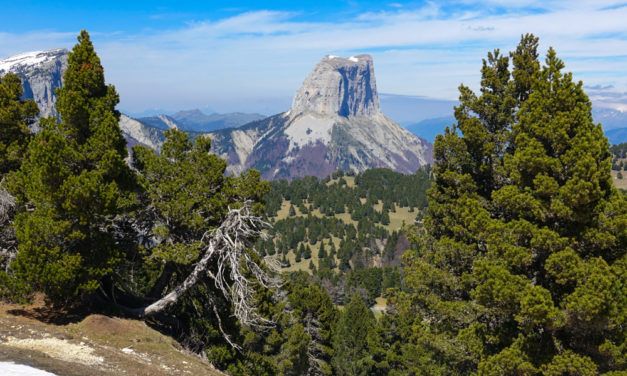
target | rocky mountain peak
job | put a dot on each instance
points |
(339, 86)
(41, 73)
(335, 123)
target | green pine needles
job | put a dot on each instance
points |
(15, 117)
(72, 185)
(523, 267)
(520, 266)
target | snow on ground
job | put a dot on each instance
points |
(12, 369)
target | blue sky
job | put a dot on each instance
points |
(253, 56)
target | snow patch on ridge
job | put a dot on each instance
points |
(308, 129)
(27, 58)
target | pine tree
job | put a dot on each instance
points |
(322, 253)
(72, 185)
(521, 266)
(15, 117)
(318, 316)
(356, 342)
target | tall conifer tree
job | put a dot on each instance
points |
(72, 186)
(522, 269)
(356, 342)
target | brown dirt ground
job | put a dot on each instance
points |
(76, 344)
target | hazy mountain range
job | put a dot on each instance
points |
(356, 107)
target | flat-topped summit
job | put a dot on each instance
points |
(335, 123)
(339, 86)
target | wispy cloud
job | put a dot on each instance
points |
(427, 50)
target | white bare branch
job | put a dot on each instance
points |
(228, 260)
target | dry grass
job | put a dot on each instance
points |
(620, 183)
(97, 345)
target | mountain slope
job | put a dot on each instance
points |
(41, 73)
(66, 344)
(335, 123)
(137, 132)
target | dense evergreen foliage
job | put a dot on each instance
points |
(522, 266)
(517, 266)
(72, 185)
(15, 117)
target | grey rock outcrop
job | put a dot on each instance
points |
(339, 86)
(137, 132)
(41, 73)
(335, 123)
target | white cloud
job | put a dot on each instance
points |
(425, 51)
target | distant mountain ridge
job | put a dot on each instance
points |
(614, 125)
(617, 135)
(335, 123)
(197, 121)
(42, 73)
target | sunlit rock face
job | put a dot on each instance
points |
(41, 73)
(339, 86)
(335, 123)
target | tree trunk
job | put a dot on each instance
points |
(178, 291)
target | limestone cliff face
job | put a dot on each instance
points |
(338, 86)
(335, 123)
(41, 73)
(137, 132)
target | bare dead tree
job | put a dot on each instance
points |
(229, 260)
(315, 352)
